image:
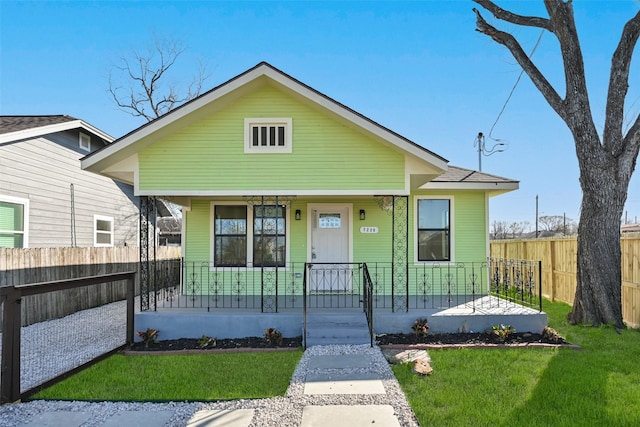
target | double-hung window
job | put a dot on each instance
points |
(434, 229)
(14, 218)
(269, 241)
(249, 236)
(102, 230)
(230, 243)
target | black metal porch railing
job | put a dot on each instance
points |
(200, 285)
(517, 281)
(368, 299)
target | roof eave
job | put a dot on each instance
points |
(49, 129)
(494, 188)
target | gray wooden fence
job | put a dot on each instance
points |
(39, 265)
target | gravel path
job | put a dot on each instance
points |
(52, 347)
(279, 411)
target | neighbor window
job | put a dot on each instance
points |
(434, 232)
(14, 216)
(267, 135)
(102, 230)
(249, 236)
(85, 142)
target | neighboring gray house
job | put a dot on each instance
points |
(47, 200)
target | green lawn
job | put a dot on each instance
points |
(597, 385)
(197, 377)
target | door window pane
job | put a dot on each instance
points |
(329, 220)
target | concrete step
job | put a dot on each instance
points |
(328, 329)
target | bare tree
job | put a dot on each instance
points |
(499, 230)
(516, 229)
(557, 224)
(606, 163)
(508, 230)
(140, 83)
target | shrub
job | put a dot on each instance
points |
(148, 336)
(502, 332)
(420, 326)
(206, 342)
(273, 336)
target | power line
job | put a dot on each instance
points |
(514, 88)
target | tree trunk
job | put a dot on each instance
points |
(598, 292)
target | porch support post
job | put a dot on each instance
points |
(400, 254)
(147, 251)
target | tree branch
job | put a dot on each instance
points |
(577, 95)
(507, 40)
(507, 16)
(148, 93)
(618, 87)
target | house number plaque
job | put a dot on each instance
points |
(369, 230)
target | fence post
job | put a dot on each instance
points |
(131, 282)
(11, 323)
(552, 267)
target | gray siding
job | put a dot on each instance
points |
(42, 171)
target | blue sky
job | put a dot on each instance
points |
(418, 68)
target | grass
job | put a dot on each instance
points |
(597, 385)
(198, 377)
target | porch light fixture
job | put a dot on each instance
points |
(298, 215)
(362, 215)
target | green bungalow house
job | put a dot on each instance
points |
(296, 206)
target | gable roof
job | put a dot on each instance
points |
(14, 128)
(125, 146)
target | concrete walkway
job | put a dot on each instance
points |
(351, 386)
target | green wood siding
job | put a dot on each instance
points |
(208, 155)
(468, 227)
(198, 232)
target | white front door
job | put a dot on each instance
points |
(330, 243)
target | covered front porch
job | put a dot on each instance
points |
(195, 299)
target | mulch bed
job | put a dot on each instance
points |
(459, 340)
(192, 345)
(434, 341)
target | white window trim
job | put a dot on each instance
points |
(96, 231)
(288, 134)
(212, 237)
(83, 137)
(452, 228)
(25, 220)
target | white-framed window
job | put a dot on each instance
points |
(84, 142)
(14, 222)
(268, 135)
(433, 231)
(102, 230)
(245, 235)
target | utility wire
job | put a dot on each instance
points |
(514, 89)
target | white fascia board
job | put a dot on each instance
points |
(490, 186)
(241, 193)
(49, 129)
